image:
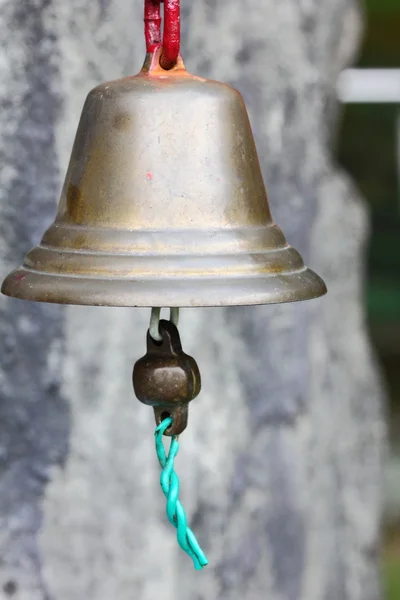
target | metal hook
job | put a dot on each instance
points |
(155, 322)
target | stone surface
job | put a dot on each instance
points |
(281, 464)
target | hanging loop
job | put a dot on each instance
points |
(171, 42)
(154, 328)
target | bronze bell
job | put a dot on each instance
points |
(164, 204)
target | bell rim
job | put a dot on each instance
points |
(256, 290)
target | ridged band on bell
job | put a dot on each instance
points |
(164, 204)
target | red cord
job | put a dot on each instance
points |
(152, 24)
(172, 29)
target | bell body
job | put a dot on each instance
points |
(164, 204)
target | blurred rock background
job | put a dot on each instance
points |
(283, 485)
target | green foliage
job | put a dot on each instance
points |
(391, 577)
(367, 149)
(382, 6)
(383, 301)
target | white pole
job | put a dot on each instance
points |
(369, 86)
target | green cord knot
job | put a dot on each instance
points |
(170, 486)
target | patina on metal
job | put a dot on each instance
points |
(164, 204)
(166, 378)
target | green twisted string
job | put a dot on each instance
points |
(170, 486)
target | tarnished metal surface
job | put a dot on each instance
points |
(164, 205)
(167, 379)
